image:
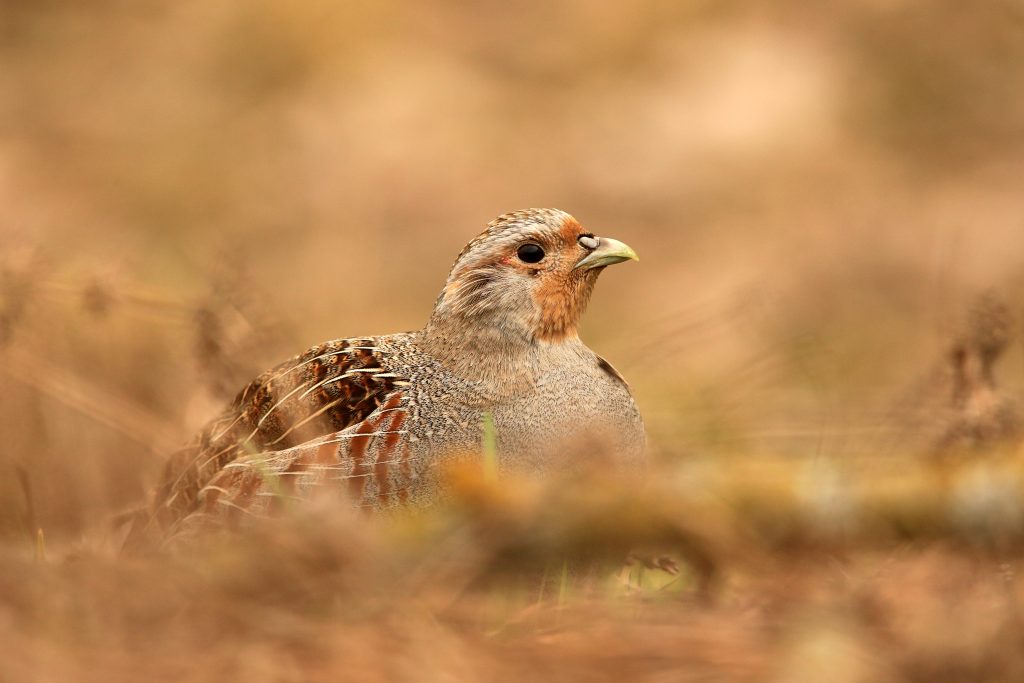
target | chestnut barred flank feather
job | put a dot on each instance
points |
(372, 417)
(330, 387)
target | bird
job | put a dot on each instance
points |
(376, 416)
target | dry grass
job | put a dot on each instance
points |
(823, 334)
(909, 575)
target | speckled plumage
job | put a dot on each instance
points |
(374, 416)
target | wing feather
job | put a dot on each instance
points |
(328, 388)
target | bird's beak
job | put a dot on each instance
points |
(608, 251)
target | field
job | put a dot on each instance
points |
(823, 333)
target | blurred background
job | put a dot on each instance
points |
(817, 193)
(193, 191)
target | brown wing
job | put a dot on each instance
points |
(326, 389)
(611, 371)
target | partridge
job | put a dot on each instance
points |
(375, 416)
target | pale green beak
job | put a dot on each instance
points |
(608, 251)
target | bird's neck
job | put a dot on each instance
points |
(492, 351)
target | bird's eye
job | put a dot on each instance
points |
(588, 241)
(530, 253)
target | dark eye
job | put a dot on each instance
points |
(530, 253)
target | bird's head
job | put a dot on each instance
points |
(527, 277)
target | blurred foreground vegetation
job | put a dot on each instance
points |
(747, 571)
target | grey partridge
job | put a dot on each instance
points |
(374, 416)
